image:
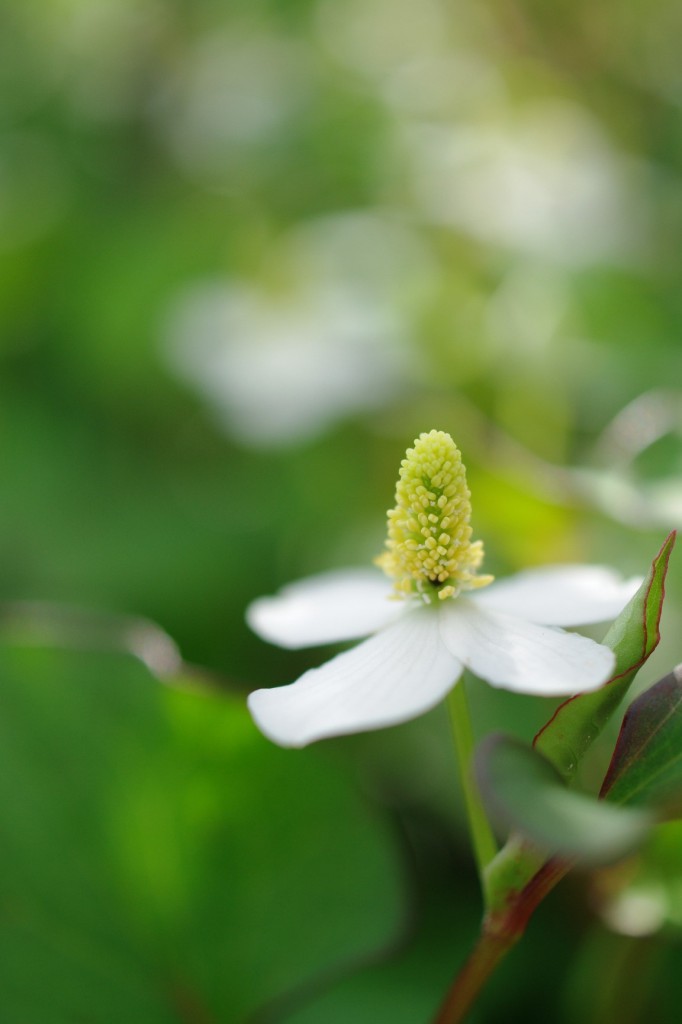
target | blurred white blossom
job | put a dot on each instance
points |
(280, 364)
(545, 183)
(231, 92)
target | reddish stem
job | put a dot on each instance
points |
(500, 932)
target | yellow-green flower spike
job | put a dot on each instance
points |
(429, 547)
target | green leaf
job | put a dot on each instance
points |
(632, 637)
(523, 790)
(646, 767)
(160, 861)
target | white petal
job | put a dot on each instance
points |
(560, 595)
(522, 656)
(396, 675)
(323, 609)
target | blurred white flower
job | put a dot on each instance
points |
(615, 483)
(505, 633)
(284, 365)
(233, 92)
(547, 183)
(276, 372)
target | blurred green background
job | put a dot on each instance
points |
(248, 251)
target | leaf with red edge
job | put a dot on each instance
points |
(646, 767)
(632, 638)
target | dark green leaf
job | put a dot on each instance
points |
(632, 638)
(523, 790)
(646, 767)
(160, 861)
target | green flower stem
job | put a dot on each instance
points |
(514, 880)
(517, 863)
(484, 843)
(501, 930)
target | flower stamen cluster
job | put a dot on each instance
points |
(429, 547)
(507, 634)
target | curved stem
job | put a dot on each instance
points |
(483, 959)
(483, 840)
(501, 930)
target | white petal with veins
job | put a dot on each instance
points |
(521, 656)
(326, 608)
(561, 595)
(396, 675)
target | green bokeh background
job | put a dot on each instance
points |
(247, 252)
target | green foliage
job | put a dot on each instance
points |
(160, 861)
(525, 787)
(151, 151)
(633, 637)
(646, 767)
(522, 789)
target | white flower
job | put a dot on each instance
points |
(506, 633)
(280, 365)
